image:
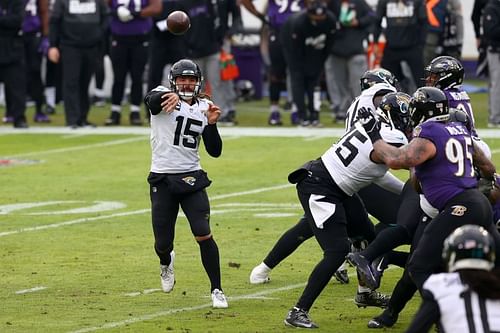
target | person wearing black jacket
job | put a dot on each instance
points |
(347, 60)
(405, 37)
(75, 32)
(12, 60)
(307, 38)
(491, 30)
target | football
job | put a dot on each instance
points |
(178, 22)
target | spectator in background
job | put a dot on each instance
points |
(12, 60)
(307, 37)
(405, 37)
(482, 62)
(444, 29)
(99, 97)
(230, 21)
(131, 24)
(347, 60)
(491, 31)
(166, 48)
(36, 45)
(76, 30)
(277, 13)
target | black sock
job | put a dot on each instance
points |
(402, 293)
(386, 240)
(397, 258)
(288, 242)
(210, 259)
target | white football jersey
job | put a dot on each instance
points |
(176, 136)
(348, 161)
(460, 307)
(364, 100)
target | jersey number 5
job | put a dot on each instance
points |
(348, 145)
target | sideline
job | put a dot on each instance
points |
(225, 131)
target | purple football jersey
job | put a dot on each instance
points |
(451, 171)
(32, 22)
(459, 99)
(496, 214)
(136, 26)
(279, 10)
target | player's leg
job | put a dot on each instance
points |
(139, 56)
(120, 55)
(277, 76)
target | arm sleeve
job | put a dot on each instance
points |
(153, 99)
(426, 316)
(377, 26)
(54, 23)
(212, 140)
(476, 16)
(390, 183)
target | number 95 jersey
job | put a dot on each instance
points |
(348, 161)
(175, 137)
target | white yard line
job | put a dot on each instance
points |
(135, 212)
(31, 290)
(186, 309)
(82, 147)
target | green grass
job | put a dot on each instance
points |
(91, 263)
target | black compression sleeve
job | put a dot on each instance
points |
(212, 140)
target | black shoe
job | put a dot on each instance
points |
(372, 298)
(114, 119)
(135, 119)
(49, 109)
(98, 101)
(342, 276)
(386, 319)
(364, 270)
(20, 124)
(299, 318)
(87, 124)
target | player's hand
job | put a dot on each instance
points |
(44, 45)
(169, 101)
(53, 54)
(124, 14)
(370, 123)
(213, 113)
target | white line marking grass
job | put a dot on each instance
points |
(31, 290)
(135, 212)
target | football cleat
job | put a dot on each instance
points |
(377, 267)
(341, 276)
(167, 274)
(41, 118)
(219, 300)
(299, 318)
(260, 274)
(372, 298)
(8, 120)
(364, 270)
(386, 319)
(294, 118)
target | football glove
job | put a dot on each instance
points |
(124, 14)
(370, 123)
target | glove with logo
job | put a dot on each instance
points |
(124, 14)
(370, 123)
(44, 45)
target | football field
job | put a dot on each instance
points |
(76, 245)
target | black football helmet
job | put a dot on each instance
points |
(378, 75)
(394, 109)
(444, 72)
(426, 103)
(469, 247)
(185, 67)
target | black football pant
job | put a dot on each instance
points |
(468, 207)
(164, 50)
(12, 75)
(34, 69)
(78, 66)
(129, 54)
(304, 85)
(392, 59)
(277, 68)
